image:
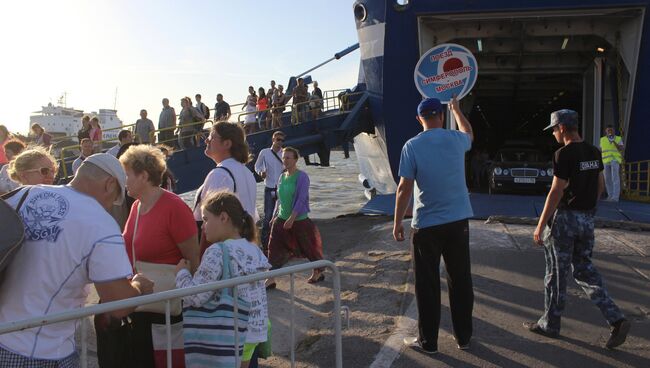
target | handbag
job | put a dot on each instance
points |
(162, 275)
(209, 330)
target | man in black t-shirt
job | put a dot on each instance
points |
(568, 239)
(221, 109)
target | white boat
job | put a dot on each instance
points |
(61, 121)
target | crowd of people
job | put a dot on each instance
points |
(216, 239)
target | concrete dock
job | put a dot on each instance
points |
(508, 272)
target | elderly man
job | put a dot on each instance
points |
(566, 230)
(167, 121)
(70, 241)
(144, 129)
(86, 150)
(269, 166)
(611, 145)
(434, 163)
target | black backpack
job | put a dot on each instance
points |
(12, 229)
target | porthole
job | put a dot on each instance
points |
(360, 12)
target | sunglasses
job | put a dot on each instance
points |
(279, 139)
(45, 171)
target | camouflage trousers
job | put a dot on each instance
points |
(568, 244)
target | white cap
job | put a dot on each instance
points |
(112, 167)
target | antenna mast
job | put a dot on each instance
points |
(115, 99)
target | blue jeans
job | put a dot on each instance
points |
(261, 120)
(270, 197)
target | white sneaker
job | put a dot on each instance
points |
(415, 344)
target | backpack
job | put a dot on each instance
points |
(12, 229)
(205, 110)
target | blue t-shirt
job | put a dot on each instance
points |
(435, 158)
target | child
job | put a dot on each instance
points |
(225, 221)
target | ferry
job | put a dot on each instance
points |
(62, 121)
(533, 57)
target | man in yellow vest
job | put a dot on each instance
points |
(611, 146)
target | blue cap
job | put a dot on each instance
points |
(429, 107)
(565, 117)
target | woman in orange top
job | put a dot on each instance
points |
(262, 106)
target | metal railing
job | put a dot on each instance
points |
(166, 296)
(636, 180)
(328, 103)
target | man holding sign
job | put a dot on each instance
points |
(433, 164)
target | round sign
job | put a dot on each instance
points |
(445, 71)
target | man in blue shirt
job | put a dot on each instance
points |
(433, 163)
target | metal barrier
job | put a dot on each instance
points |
(636, 180)
(295, 117)
(166, 296)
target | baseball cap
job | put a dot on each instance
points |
(429, 107)
(112, 167)
(565, 117)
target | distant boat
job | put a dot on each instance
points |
(61, 121)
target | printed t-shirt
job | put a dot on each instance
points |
(70, 241)
(580, 164)
(435, 158)
(286, 195)
(246, 258)
(219, 179)
(168, 223)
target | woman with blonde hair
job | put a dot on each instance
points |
(160, 229)
(33, 166)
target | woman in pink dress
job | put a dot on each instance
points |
(96, 134)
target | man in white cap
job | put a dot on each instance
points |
(70, 241)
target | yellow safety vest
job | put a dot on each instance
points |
(610, 152)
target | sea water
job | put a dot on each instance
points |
(334, 190)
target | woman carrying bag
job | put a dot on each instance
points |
(159, 232)
(208, 331)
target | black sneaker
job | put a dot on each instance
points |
(619, 333)
(415, 344)
(535, 328)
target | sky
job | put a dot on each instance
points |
(131, 54)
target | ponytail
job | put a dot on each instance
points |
(223, 201)
(249, 230)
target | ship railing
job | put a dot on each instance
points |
(333, 102)
(123, 127)
(636, 180)
(166, 296)
(66, 159)
(104, 131)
